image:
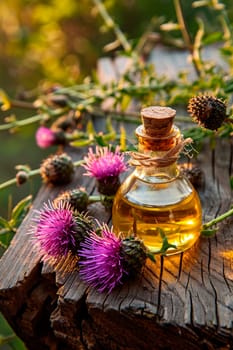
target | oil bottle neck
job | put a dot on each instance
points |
(163, 166)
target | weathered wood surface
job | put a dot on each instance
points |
(181, 302)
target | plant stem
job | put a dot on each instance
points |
(34, 119)
(31, 174)
(23, 122)
(218, 219)
(22, 104)
(185, 32)
(98, 198)
(112, 25)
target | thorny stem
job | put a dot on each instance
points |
(34, 119)
(32, 173)
(16, 123)
(185, 32)
(112, 25)
(87, 101)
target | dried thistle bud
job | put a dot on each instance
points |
(21, 177)
(57, 169)
(65, 123)
(57, 100)
(208, 111)
(195, 175)
(77, 199)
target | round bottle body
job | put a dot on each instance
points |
(149, 206)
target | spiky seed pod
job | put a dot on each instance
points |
(76, 198)
(208, 111)
(134, 255)
(57, 169)
(84, 225)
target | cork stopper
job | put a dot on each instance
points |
(157, 121)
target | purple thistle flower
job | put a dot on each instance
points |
(105, 166)
(104, 163)
(101, 263)
(45, 137)
(55, 230)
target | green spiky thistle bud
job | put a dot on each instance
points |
(134, 255)
(57, 169)
(208, 111)
(84, 224)
(76, 198)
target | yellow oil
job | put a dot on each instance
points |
(144, 209)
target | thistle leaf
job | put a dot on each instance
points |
(208, 232)
(4, 224)
(20, 211)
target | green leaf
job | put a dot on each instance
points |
(229, 87)
(208, 232)
(81, 143)
(6, 237)
(109, 126)
(122, 138)
(20, 211)
(126, 99)
(100, 140)
(5, 103)
(90, 128)
(212, 38)
(4, 223)
(165, 244)
(227, 51)
(151, 256)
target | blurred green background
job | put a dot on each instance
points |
(45, 42)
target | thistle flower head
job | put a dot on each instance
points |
(104, 163)
(101, 264)
(45, 137)
(208, 111)
(77, 199)
(106, 260)
(57, 231)
(57, 169)
(134, 254)
(105, 166)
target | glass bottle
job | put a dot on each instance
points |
(156, 199)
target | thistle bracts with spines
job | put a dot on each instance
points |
(58, 230)
(77, 199)
(134, 255)
(57, 169)
(208, 111)
(84, 225)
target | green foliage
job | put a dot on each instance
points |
(165, 243)
(9, 227)
(8, 340)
